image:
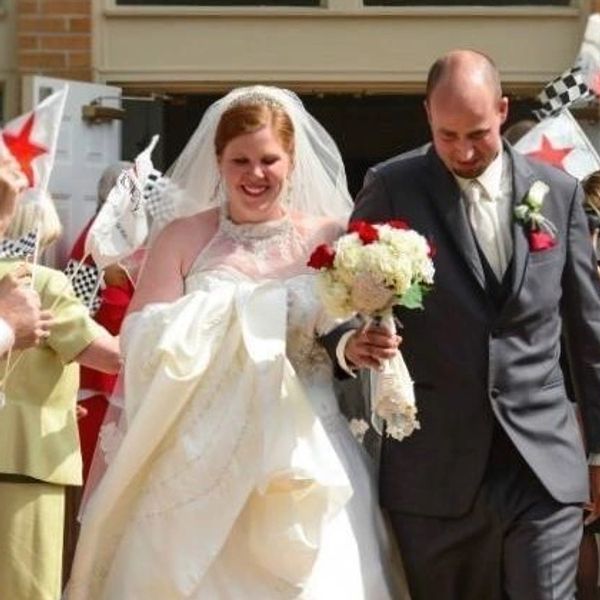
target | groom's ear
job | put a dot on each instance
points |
(503, 109)
(426, 107)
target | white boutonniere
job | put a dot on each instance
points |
(541, 232)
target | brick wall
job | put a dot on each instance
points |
(54, 38)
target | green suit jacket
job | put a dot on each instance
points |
(38, 426)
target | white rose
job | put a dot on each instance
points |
(537, 193)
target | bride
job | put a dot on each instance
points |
(232, 474)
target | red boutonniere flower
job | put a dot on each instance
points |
(366, 232)
(541, 240)
(322, 257)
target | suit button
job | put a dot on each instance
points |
(495, 333)
(495, 393)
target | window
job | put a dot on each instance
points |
(218, 3)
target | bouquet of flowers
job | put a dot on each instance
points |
(368, 271)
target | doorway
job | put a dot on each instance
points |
(368, 128)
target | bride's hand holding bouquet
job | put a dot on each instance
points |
(368, 271)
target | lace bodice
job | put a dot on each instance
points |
(274, 251)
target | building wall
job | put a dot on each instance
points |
(340, 46)
(8, 59)
(54, 38)
(44, 37)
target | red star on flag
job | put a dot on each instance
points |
(23, 149)
(594, 84)
(549, 154)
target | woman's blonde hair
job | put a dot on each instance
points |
(26, 218)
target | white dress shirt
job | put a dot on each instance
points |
(496, 182)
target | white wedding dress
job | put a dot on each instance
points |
(238, 478)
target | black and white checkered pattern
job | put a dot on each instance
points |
(85, 283)
(158, 197)
(561, 92)
(19, 248)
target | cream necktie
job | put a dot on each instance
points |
(483, 218)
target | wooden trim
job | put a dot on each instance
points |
(111, 11)
(519, 89)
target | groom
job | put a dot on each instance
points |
(485, 500)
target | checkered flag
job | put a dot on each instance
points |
(85, 283)
(561, 92)
(19, 248)
(158, 197)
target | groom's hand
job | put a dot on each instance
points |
(369, 346)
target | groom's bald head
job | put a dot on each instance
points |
(466, 110)
(463, 66)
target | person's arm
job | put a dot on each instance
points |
(161, 277)
(74, 335)
(170, 257)
(24, 324)
(102, 354)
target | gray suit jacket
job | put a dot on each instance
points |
(474, 363)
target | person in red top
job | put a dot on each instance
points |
(115, 294)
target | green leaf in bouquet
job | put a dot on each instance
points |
(413, 297)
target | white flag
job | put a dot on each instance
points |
(589, 53)
(561, 142)
(121, 225)
(31, 140)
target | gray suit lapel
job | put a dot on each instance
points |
(523, 179)
(446, 197)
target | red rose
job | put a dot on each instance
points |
(541, 240)
(322, 257)
(366, 232)
(398, 224)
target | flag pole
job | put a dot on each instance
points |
(36, 247)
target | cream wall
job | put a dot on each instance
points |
(341, 46)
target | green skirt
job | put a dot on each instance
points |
(31, 544)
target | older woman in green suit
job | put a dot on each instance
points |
(39, 443)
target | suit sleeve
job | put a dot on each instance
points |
(373, 202)
(581, 320)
